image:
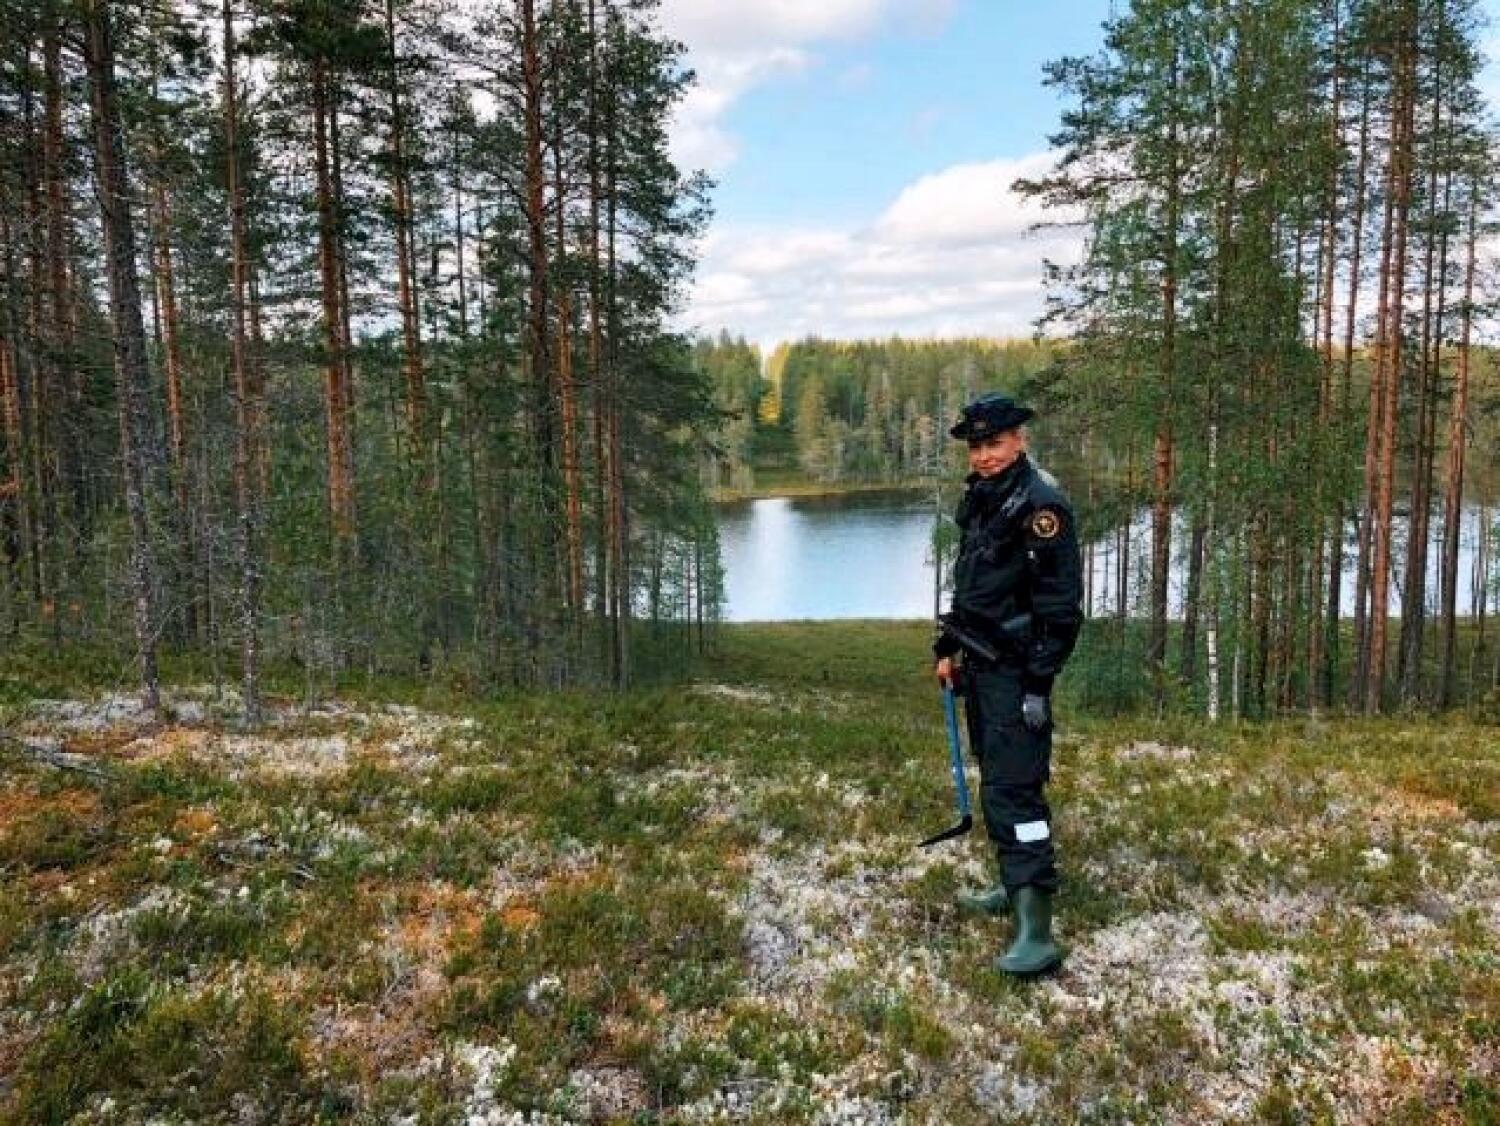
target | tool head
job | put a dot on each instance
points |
(949, 834)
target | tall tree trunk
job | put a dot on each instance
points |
(1429, 367)
(335, 395)
(62, 328)
(1162, 453)
(460, 264)
(11, 477)
(1453, 493)
(411, 334)
(1401, 152)
(335, 102)
(22, 530)
(166, 295)
(259, 445)
(1191, 610)
(619, 563)
(43, 397)
(1316, 696)
(545, 561)
(247, 499)
(1334, 610)
(1261, 562)
(171, 339)
(1359, 675)
(1211, 633)
(572, 480)
(131, 371)
(602, 576)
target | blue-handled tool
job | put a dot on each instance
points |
(961, 783)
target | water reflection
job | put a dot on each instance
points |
(820, 557)
(1103, 560)
(866, 556)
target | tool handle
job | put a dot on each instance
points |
(956, 752)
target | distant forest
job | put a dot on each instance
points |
(851, 412)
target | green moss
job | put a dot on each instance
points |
(1287, 1105)
(477, 791)
(1231, 931)
(896, 1021)
(234, 929)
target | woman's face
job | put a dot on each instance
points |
(997, 453)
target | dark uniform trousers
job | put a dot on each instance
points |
(1015, 764)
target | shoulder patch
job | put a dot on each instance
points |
(1046, 523)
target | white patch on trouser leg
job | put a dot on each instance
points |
(1032, 831)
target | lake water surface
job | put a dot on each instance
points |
(866, 555)
(857, 556)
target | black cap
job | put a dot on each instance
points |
(989, 415)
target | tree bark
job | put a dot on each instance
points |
(572, 480)
(1334, 610)
(603, 580)
(1390, 383)
(62, 327)
(42, 399)
(246, 407)
(411, 333)
(1329, 260)
(1453, 493)
(1414, 588)
(132, 374)
(171, 347)
(619, 564)
(1162, 453)
(335, 395)
(20, 502)
(545, 561)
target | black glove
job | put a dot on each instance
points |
(943, 645)
(960, 681)
(1036, 711)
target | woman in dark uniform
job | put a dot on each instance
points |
(1018, 588)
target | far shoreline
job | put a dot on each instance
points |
(803, 489)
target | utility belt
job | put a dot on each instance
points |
(1002, 646)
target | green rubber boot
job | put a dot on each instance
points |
(988, 901)
(1033, 951)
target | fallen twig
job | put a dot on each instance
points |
(57, 759)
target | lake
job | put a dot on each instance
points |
(866, 555)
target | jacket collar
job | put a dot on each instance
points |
(1000, 485)
(984, 495)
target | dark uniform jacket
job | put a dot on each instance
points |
(1018, 581)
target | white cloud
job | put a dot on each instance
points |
(953, 254)
(957, 206)
(734, 47)
(729, 28)
(699, 140)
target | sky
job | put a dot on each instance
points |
(863, 152)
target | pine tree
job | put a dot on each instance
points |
(132, 375)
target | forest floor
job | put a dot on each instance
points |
(705, 903)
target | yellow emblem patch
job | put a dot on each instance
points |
(1046, 524)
